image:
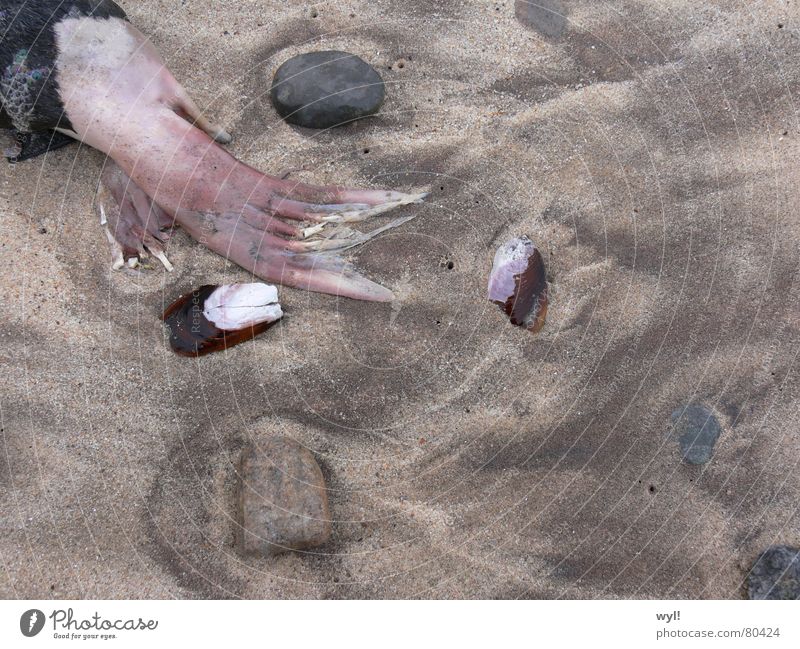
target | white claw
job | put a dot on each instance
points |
(159, 254)
(222, 136)
(353, 216)
(117, 259)
(314, 229)
(343, 237)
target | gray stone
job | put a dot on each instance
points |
(283, 499)
(775, 574)
(326, 89)
(698, 431)
(549, 17)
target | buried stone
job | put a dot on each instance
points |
(326, 89)
(283, 499)
(548, 17)
(775, 574)
(698, 430)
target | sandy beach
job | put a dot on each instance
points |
(651, 153)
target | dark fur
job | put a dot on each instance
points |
(32, 145)
(29, 25)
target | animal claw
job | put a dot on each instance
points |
(133, 223)
(342, 238)
(361, 214)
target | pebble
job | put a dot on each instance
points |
(326, 89)
(698, 430)
(548, 17)
(775, 574)
(283, 499)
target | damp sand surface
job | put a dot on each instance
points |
(649, 150)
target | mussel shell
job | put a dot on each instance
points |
(192, 334)
(518, 283)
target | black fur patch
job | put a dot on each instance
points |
(29, 94)
(32, 145)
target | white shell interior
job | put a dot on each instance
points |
(510, 259)
(236, 306)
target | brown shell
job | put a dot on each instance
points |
(526, 306)
(191, 333)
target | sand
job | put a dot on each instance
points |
(650, 152)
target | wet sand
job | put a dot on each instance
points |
(651, 153)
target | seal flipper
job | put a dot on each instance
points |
(273, 259)
(134, 110)
(135, 225)
(32, 145)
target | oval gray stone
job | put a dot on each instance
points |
(283, 499)
(775, 574)
(548, 17)
(698, 431)
(326, 89)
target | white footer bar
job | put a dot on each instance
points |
(371, 625)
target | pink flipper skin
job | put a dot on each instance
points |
(121, 99)
(134, 223)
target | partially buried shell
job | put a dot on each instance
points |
(518, 283)
(212, 318)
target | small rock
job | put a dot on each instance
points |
(548, 17)
(775, 574)
(326, 89)
(698, 429)
(283, 499)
